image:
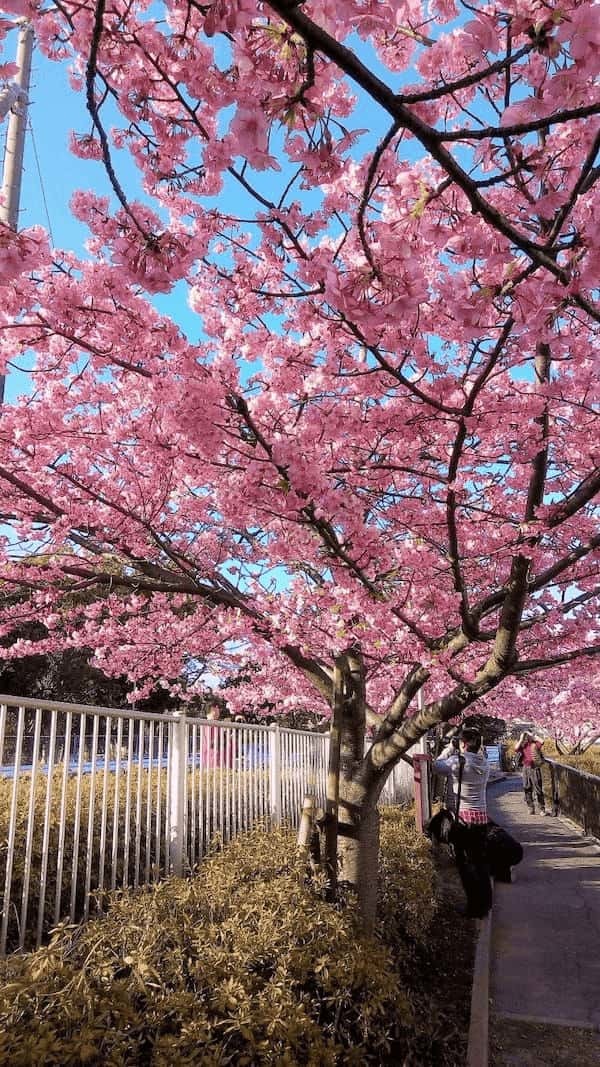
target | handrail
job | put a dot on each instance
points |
(14, 701)
(88, 709)
(575, 770)
(576, 793)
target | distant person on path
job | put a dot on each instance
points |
(216, 746)
(531, 749)
(469, 836)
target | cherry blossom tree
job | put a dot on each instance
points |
(372, 477)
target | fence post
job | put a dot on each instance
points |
(422, 768)
(307, 822)
(275, 773)
(177, 791)
(554, 789)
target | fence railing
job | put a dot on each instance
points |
(97, 799)
(573, 793)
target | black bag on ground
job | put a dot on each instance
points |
(440, 827)
(444, 827)
(503, 850)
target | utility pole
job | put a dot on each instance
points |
(15, 137)
(9, 98)
(15, 100)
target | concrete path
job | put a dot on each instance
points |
(545, 941)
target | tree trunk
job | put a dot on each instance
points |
(358, 858)
(350, 799)
(333, 779)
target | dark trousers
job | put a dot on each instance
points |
(470, 849)
(532, 781)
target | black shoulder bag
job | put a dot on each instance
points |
(443, 825)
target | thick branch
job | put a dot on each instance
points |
(582, 495)
(504, 647)
(31, 493)
(136, 582)
(537, 482)
(431, 138)
(525, 666)
(399, 706)
(385, 753)
(315, 672)
(500, 132)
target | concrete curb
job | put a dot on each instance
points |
(551, 1020)
(478, 1040)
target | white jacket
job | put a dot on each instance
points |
(474, 780)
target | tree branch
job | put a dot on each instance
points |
(90, 76)
(432, 139)
(465, 83)
(469, 625)
(362, 207)
(525, 666)
(582, 185)
(537, 482)
(577, 499)
(31, 493)
(500, 132)
(411, 685)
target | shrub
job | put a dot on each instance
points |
(142, 859)
(587, 761)
(242, 964)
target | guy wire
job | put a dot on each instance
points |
(40, 178)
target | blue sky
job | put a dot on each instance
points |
(52, 173)
(55, 110)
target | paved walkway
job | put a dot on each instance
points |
(545, 948)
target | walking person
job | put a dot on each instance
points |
(470, 768)
(530, 748)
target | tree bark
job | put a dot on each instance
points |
(358, 858)
(357, 817)
(333, 780)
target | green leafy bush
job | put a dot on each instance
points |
(242, 964)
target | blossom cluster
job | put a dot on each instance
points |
(386, 436)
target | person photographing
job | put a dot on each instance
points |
(530, 748)
(469, 766)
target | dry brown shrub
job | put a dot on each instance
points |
(243, 964)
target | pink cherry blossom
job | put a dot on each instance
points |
(378, 439)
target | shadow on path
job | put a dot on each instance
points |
(545, 951)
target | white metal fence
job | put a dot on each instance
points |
(96, 799)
